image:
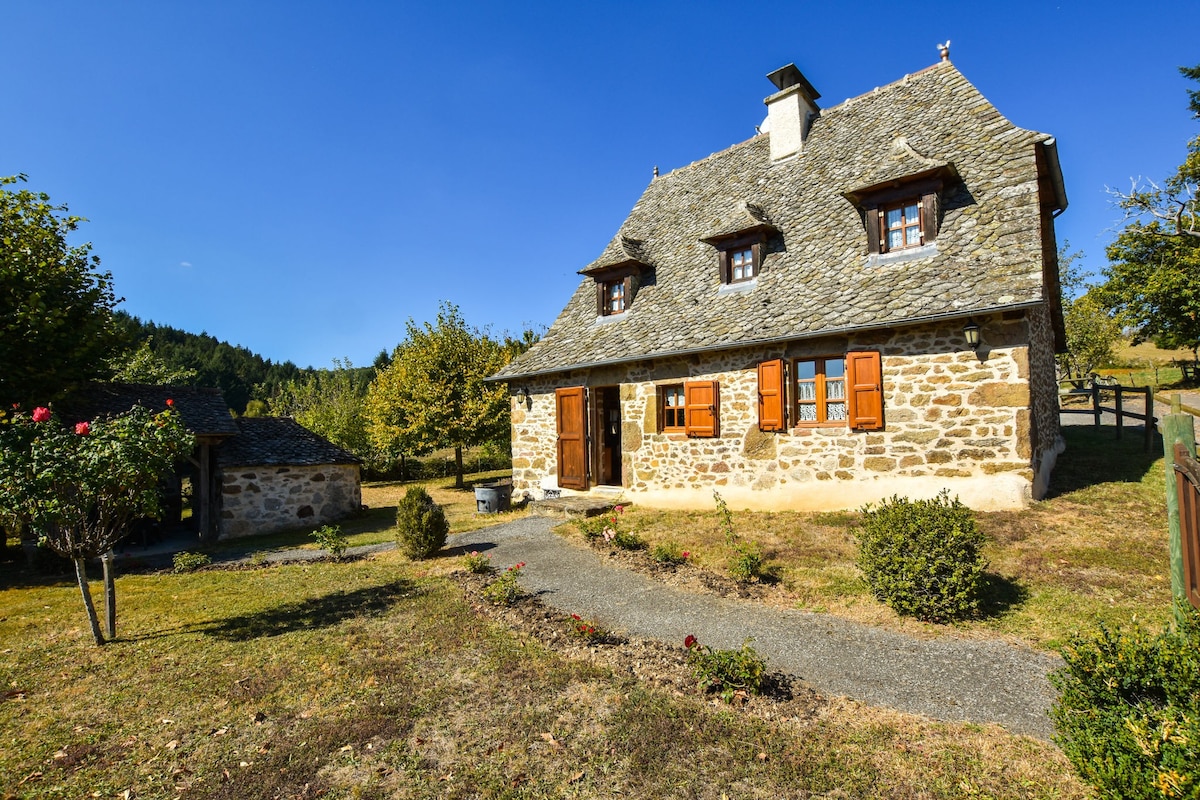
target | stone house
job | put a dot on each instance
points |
(276, 474)
(857, 302)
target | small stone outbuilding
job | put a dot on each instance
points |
(854, 303)
(276, 474)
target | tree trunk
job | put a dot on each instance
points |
(110, 595)
(81, 577)
(458, 468)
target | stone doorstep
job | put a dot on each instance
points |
(569, 507)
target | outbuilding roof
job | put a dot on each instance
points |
(279, 441)
(202, 411)
(817, 277)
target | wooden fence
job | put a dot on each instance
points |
(1096, 391)
(1187, 492)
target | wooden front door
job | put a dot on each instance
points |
(571, 407)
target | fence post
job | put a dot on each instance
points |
(1149, 417)
(1120, 411)
(1096, 402)
(1180, 428)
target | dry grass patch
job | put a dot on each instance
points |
(1095, 549)
(373, 679)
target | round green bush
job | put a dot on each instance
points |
(1128, 710)
(922, 557)
(421, 525)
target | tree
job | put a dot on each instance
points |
(144, 366)
(329, 403)
(433, 393)
(80, 487)
(56, 307)
(1091, 330)
(1153, 277)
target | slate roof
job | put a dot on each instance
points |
(281, 442)
(817, 277)
(202, 411)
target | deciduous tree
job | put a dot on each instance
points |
(1091, 330)
(56, 306)
(433, 393)
(80, 486)
(329, 403)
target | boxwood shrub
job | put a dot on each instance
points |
(922, 557)
(1128, 710)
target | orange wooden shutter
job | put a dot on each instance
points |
(864, 378)
(770, 396)
(701, 400)
(571, 407)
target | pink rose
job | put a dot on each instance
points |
(41, 414)
(82, 428)
(690, 642)
(687, 554)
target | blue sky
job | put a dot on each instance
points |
(300, 178)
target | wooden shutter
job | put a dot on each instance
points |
(571, 408)
(873, 218)
(929, 217)
(702, 400)
(771, 396)
(864, 390)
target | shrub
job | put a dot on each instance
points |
(189, 562)
(727, 672)
(1128, 710)
(477, 562)
(745, 563)
(506, 590)
(923, 558)
(588, 630)
(421, 525)
(669, 553)
(330, 538)
(745, 559)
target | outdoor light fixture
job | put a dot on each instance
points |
(971, 334)
(522, 396)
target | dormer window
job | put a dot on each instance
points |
(903, 213)
(615, 293)
(742, 265)
(902, 225)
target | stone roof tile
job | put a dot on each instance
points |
(202, 411)
(279, 441)
(817, 277)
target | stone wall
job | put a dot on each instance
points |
(954, 418)
(264, 499)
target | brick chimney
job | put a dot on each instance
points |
(789, 112)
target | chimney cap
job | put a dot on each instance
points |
(788, 76)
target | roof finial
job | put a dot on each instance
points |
(656, 170)
(944, 50)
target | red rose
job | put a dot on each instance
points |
(41, 414)
(82, 428)
(170, 402)
(690, 642)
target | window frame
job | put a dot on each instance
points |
(862, 377)
(679, 412)
(700, 409)
(622, 290)
(885, 228)
(820, 400)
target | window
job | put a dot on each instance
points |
(826, 392)
(741, 265)
(671, 409)
(902, 225)
(692, 408)
(904, 212)
(614, 297)
(820, 391)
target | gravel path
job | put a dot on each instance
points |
(947, 679)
